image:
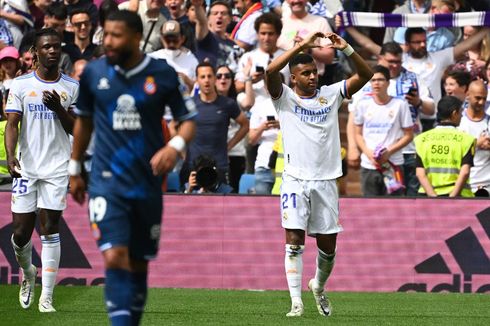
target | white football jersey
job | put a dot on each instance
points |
(310, 128)
(44, 146)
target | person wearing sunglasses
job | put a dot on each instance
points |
(82, 46)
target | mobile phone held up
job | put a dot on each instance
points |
(259, 69)
(270, 118)
(412, 91)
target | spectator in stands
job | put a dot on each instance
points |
(477, 123)
(177, 11)
(487, 79)
(403, 84)
(85, 5)
(474, 59)
(245, 100)
(213, 44)
(78, 67)
(17, 19)
(300, 24)
(456, 84)
(243, 33)
(177, 56)
(409, 7)
(9, 67)
(384, 126)
(153, 19)
(204, 178)
(82, 46)
(215, 112)
(445, 154)
(106, 7)
(38, 9)
(25, 59)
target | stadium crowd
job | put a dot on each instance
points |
(221, 50)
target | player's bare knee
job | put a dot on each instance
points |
(117, 257)
(294, 250)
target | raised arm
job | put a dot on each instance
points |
(364, 72)
(363, 40)
(460, 48)
(202, 21)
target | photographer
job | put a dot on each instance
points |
(204, 178)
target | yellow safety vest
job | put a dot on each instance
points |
(276, 190)
(442, 151)
(4, 172)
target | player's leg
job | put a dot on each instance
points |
(325, 226)
(24, 193)
(293, 263)
(109, 218)
(50, 256)
(51, 201)
(23, 225)
(144, 244)
(295, 210)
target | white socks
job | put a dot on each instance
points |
(293, 264)
(24, 257)
(324, 266)
(50, 258)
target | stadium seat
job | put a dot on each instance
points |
(173, 182)
(247, 182)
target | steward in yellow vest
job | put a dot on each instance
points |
(445, 154)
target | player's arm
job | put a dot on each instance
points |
(241, 133)
(273, 79)
(464, 172)
(52, 100)
(164, 160)
(82, 131)
(470, 43)
(424, 182)
(11, 138)
(364, 72)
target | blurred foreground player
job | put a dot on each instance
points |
(123, 97)
(312, 160)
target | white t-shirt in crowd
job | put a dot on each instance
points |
(480, 171)
(382, 125)
(430, 70)
(310, 132)
(181, 60)
(246, 32)
(268, 137)
(44, 146)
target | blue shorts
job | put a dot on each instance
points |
(133, 223)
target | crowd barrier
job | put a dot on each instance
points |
(236, 242)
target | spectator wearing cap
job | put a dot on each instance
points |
(82, 46)
(178, 11)
(177, 56)
(9, 65)
(153, 20)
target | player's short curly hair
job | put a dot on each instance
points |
(130, 18)
(299, 59)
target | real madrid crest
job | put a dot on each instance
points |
(63, 96)
(322, 100)
(150, 87)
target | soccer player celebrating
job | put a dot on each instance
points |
(41, 102)
(123, 98)
(309, 195)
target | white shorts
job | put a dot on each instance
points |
(310, 205)
(30, 194)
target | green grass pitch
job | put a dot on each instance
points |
(84, 306)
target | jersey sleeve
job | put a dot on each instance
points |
(279, 102)
(14, 100)
(84, 103)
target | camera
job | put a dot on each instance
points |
(206, 172)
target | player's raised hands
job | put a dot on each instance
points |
(309, 42)
(52, 100)
(337, 42)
